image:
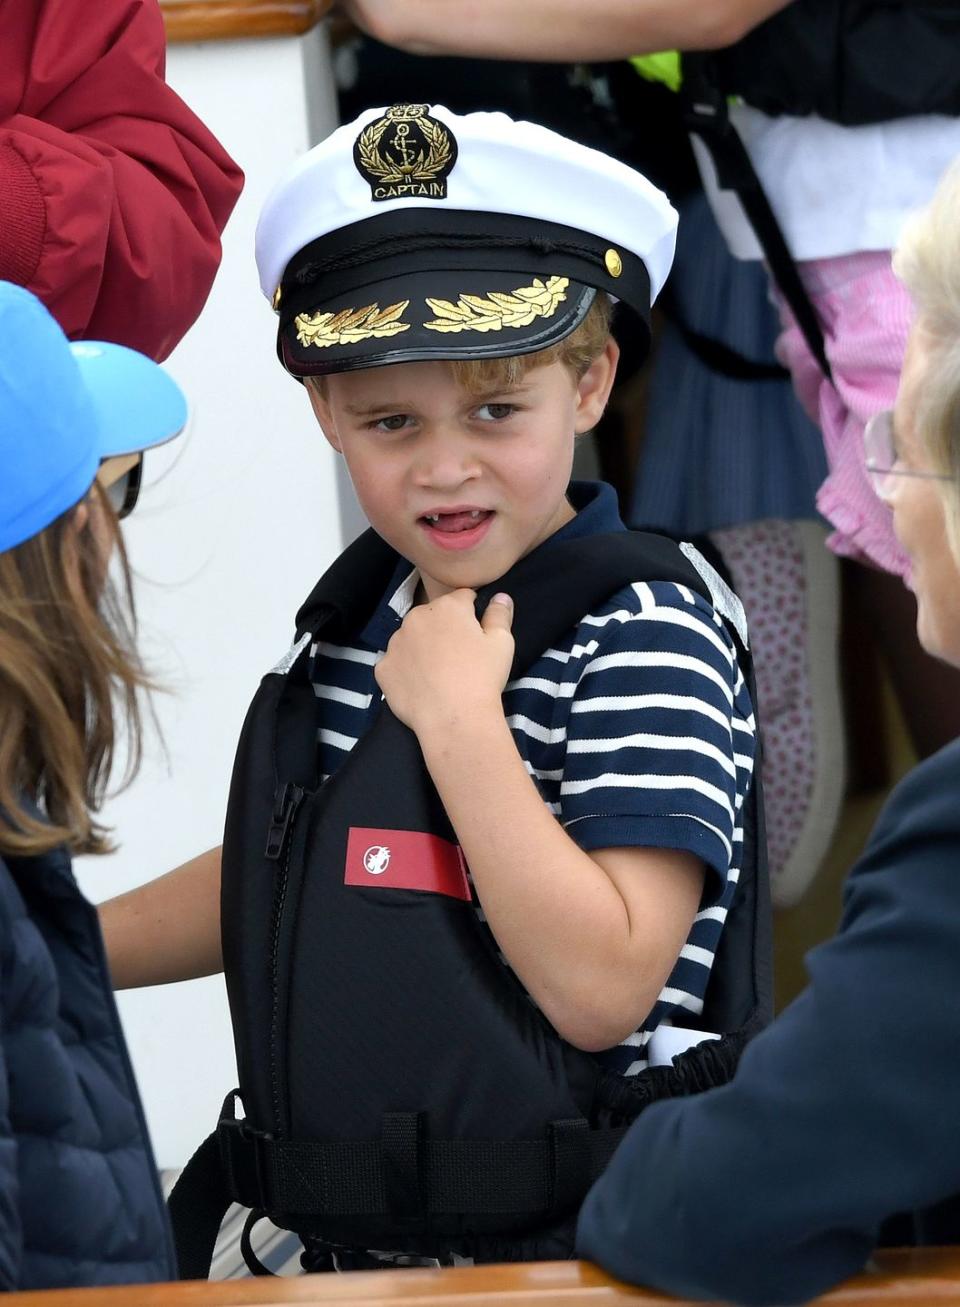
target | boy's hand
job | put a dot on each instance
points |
(443, 667)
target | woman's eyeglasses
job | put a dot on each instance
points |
(883, 461)
(120, 479)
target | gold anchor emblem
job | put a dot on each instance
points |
(406, 154)
(401, 143)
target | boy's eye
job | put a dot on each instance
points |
(495, 412)
(395, 422)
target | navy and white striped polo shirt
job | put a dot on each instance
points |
(637, 728)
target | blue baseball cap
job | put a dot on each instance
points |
(64, 407)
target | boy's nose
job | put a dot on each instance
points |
(445, 461)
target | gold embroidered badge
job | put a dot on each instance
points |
(406, 154)
(498, 310)
(350, 326)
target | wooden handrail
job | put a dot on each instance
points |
(921, 1277)
(220, 20)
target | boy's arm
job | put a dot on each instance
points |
(168, 929)
(560, 30)
(592, 937)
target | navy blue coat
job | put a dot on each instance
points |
(80, 1201)
(843, 1114)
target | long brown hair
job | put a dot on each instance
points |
(69, 674)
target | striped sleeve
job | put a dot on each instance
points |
(659, 746)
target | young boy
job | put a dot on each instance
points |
(444, 289)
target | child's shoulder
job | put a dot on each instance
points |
(647, 624)
(644, 606)
(656, 634)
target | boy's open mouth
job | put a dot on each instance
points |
(458, 529)
(461, 520)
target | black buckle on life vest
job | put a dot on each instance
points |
(243, 1154)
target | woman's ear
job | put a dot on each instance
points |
(593, 388)
(81, 516)
(321, 408)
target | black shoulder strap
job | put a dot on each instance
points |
(559, 583)
(705, 112)
(352, 585)
(197, 1205)
(715, 354)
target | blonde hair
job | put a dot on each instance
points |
(927, 261)
(577, 352)
(67, 656)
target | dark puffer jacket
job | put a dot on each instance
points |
(80, 1203)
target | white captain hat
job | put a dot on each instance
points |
(416, 233)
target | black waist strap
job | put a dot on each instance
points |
(403, 1174)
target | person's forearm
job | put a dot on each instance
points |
(168, 929)
(559, 30)
(557, 916)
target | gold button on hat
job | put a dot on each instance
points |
(613, 263)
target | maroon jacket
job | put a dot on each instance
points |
(112, 193)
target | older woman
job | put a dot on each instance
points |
(839, 1130)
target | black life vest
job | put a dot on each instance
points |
(851, 61)
(400, 1089)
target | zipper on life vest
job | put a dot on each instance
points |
(286, 802)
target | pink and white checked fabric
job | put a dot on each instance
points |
(866, 315)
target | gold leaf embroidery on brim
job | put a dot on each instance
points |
(350, 326)
(498, 309)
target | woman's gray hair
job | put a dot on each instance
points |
(927, 261)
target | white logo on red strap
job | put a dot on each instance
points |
(376, 859)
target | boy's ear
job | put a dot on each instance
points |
(593, 388)
(321, 409)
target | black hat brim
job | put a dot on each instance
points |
(446, 285)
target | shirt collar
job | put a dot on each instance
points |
(393, 607)
(595, 504)
(401, 601)
(597, 511)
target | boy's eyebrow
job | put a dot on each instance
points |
(519, 388)
(404, 406)
(365, 410)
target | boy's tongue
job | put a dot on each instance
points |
(454, 522)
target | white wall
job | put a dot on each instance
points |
(234, 526)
